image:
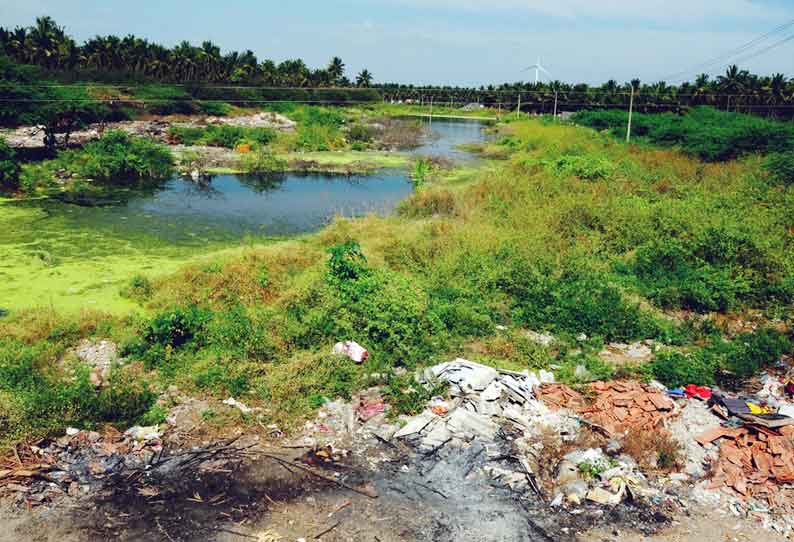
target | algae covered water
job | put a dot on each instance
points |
(70, 254)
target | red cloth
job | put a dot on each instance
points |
(701, 392)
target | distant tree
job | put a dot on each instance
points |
(364, 79)
(336, 70)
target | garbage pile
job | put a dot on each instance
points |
(500, 410)
(618, 406)
(75, 463)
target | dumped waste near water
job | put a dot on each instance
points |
(504, 455)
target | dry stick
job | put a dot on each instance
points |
(321, 476)
(243, 535)
(434, 490)
(328, 530)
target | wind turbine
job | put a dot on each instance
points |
(538, 68)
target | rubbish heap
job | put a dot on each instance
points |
(75, 463)
(618, 406)
(500, 410)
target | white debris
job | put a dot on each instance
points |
(416, 424)
(543, 339)
(232, 402)
(467, 423)
(467, 376)
(351, 349)
(144, 433)
(72, 431)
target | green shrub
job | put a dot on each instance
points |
(703, 131)
(780, 167)
(361, 133)
(675, 369)
(139, 288)
(716, 271)
(176, 327)
(575, 301)
(119, 157)
(223, 135)
(587, 167)
(37, 397)
(262, 161)
(748, 353)
(346, 263)
(9, 168)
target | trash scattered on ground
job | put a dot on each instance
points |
(351, 349)
(368, 408)
(242, 407)
(634, 353)
(75, 463)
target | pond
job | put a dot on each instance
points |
(229, 207)
(69, 256)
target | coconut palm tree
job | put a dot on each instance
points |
(364, 79)
(336, 71)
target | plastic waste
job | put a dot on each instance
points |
(351, 349)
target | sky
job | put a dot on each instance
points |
(456, 42)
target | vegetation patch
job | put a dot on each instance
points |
(705, 132)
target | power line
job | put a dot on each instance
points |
(729, 54)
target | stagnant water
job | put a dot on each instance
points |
(229, 207)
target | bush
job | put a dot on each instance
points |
(675, 369)
(575, 301)
(9, 168)
(715, 271)
(262, 161)
(37, 398)
(749, 353)
(780, 167)
(587, 167)
(119, 157)
(426, 203)
(224, 135)
(705, 132)
(139, 288)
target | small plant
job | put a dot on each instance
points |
(656, 450)
(263, 278)
(347, 262)
(421, 172)
(262, 161)
(139, 288)
(780, 167)
(408, 397)
(9, 168)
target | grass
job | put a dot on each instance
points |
(560, 234)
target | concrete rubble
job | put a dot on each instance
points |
(32, 137)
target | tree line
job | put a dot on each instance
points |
(131, 59)
(107, 58)
(736, 90)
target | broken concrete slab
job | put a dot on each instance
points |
(416, 424)
(465, 422)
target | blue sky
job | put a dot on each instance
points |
(461, 42)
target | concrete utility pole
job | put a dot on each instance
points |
(518, 109)
(431, 109)
(631, 111)
(555, 105)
